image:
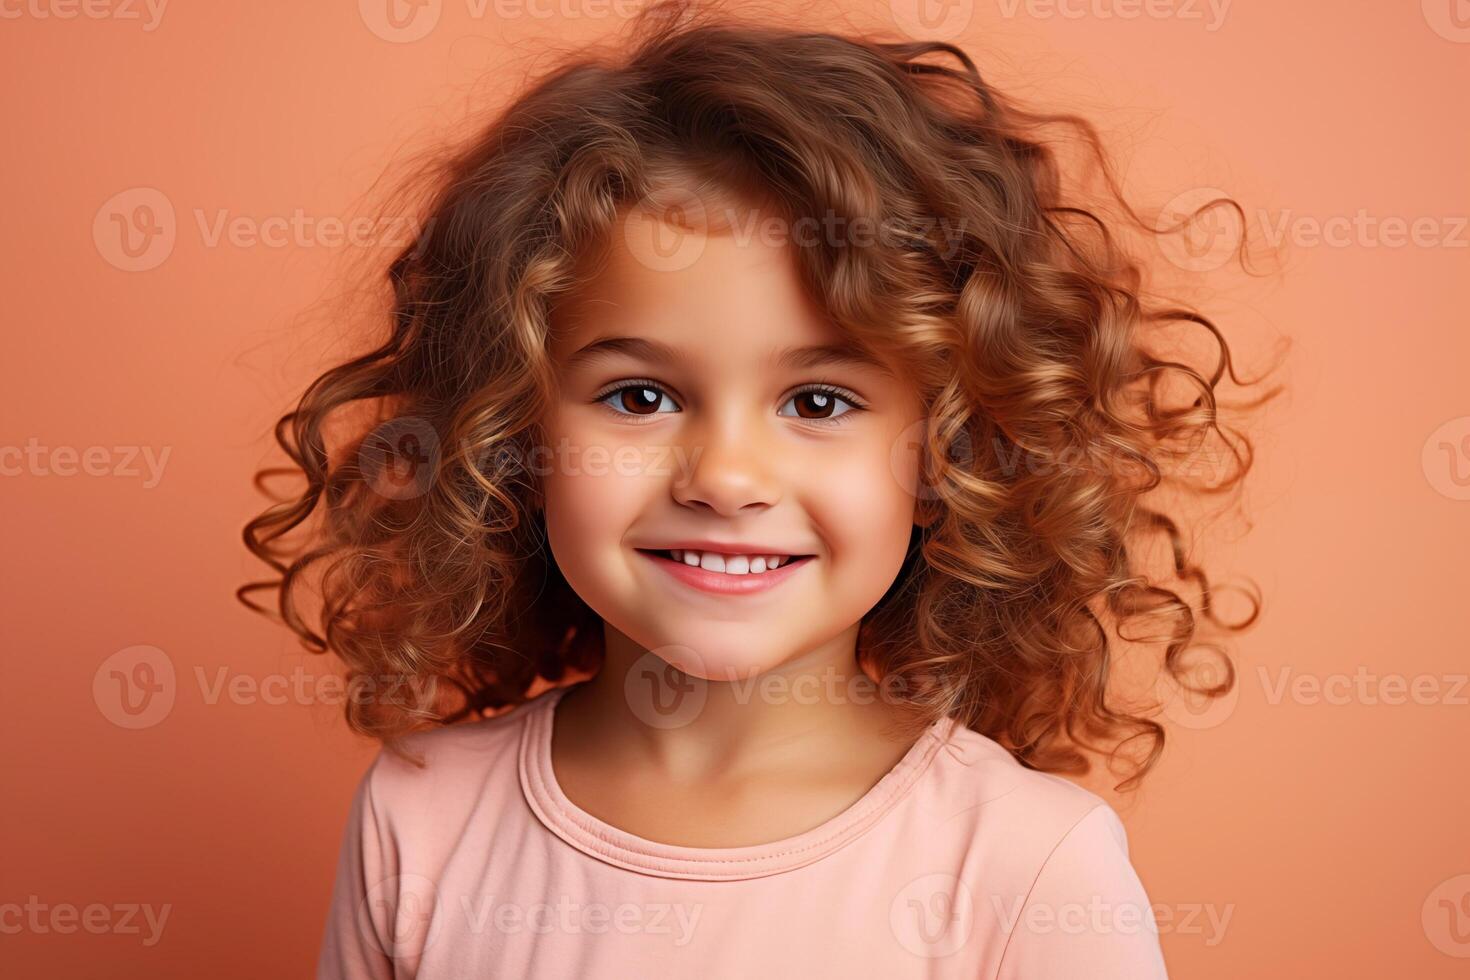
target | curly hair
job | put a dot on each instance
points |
(1018, 312)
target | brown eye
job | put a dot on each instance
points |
(815, 404)
(636, 399)
(818, 405)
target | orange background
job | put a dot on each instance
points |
(1328, 828)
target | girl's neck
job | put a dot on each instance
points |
(742, 763)
(818, 711)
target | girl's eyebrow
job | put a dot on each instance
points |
(818, 355)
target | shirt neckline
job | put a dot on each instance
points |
(614, 846)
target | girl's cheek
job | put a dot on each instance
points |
(860, 494)
(881, 470)
(590, 490)
(597, 487)
(587, 518)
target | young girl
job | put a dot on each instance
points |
(762, 399)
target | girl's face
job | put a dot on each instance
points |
(711, 406)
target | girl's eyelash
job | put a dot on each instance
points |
(819, 386)
(858, 405)
(618, 386)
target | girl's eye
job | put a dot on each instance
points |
(638, 398)
(819, 404)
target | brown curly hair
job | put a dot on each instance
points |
(1018, 312)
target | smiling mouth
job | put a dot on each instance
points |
(727, 580)
(721, 564)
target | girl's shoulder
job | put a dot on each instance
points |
(461, 764)
(1038, 855)
(975, 765)
(1022, 819)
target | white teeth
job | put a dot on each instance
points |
(729, 564)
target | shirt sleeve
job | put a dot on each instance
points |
(357, 935)
(1087, 914)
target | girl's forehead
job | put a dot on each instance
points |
(718, 292)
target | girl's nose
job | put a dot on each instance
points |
(729, 469)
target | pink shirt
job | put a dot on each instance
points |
(959, 862)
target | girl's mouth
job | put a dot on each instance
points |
(726, 574)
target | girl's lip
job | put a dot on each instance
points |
(720, 583)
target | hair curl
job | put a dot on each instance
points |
(1027, 332)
